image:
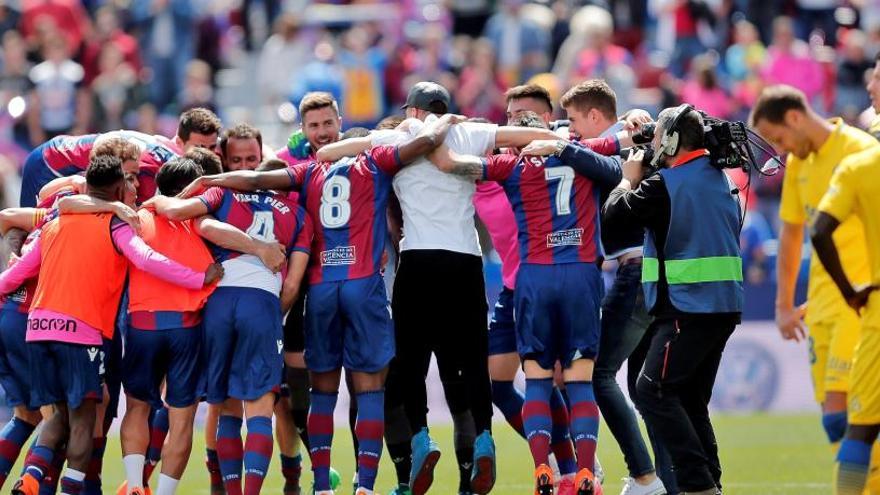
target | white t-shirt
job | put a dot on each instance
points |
(438, 208)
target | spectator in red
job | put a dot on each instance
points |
(68, 16)
(480, 91)
(677, 27)
(107, 31)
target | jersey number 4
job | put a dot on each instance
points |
(335, 207)
(263, 226)
(565, 176)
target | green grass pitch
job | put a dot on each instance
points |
(766, 454)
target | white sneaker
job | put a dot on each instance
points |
(631, 487)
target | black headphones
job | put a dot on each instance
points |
(670, 142)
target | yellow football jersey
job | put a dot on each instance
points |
(855, 193)
(804, 184)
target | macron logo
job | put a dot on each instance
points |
(338, 256)
(570, 237)
(93, 353)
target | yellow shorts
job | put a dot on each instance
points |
(864, 396)
(832, 343)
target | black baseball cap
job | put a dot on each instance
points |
(428, 96)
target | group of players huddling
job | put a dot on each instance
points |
(206, 268)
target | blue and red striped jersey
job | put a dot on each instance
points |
(346, 201)
(69, 155)
(263, 215)
(556, 209)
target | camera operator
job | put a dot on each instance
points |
(692, 280)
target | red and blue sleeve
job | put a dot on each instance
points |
(386, 158)
(607, 146)
(212, 198)
(297, 174)
(302, 241)
(499, 167)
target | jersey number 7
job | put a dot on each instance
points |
(565, 176)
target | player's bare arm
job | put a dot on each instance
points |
(229, 237)
(296, 269)
(17, 218)
(82, 203)
(517, 137)
(75, 182)
(821, 232)
(452, 163)
(177, 208)
(241, 180)
(789, 318)
(340, 149)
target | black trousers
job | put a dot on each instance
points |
(674, 388)
(439, 306)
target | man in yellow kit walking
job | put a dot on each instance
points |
(815, 146)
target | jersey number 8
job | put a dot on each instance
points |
(335, 208)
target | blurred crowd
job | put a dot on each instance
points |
(72, 67)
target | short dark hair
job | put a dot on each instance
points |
(207, 159)
(272, 164)
(437, 107)
(775, 101)
(590, 94)
(117, 146)
(198, 120)
(690, 127)
(315, 101)
(356, 132)
(176, 174)
(530, 91)
(390, 122)
(104, 171)
(528, 119)
(241, 131)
